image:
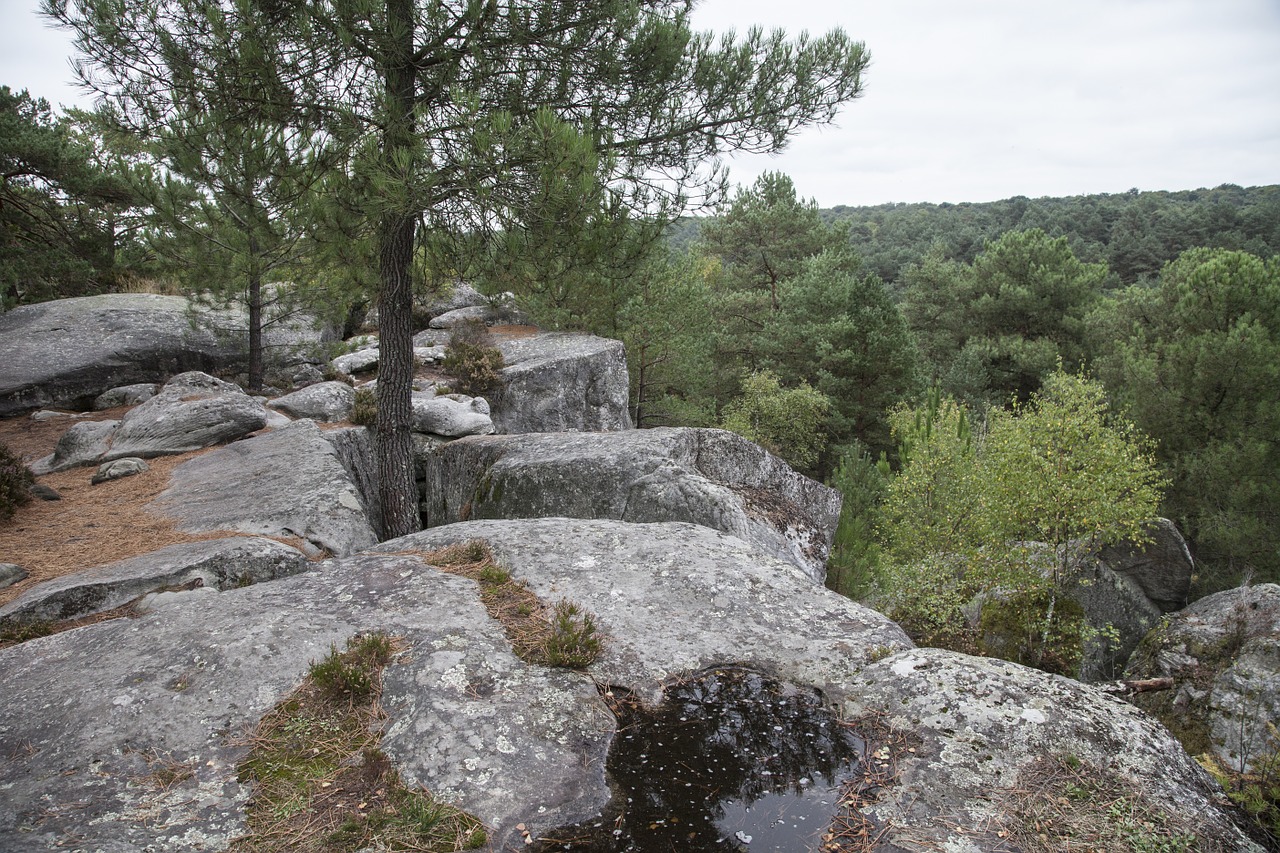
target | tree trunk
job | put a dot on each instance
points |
(255, 318)
(397, 488)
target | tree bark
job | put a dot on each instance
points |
(397, 488)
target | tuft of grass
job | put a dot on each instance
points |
(1061, 802)
(19, 632)
(562, 635)
(322, 784)
(573, 641)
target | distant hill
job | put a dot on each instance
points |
(1135, 233)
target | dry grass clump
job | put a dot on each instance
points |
(322, 783)
(562, 634)
(1061, 803)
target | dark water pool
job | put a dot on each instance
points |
(731, 760)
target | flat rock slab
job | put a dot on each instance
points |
(980, 721)
(708, 477)
(509, 741)
(675, 598)
(216, 563)
(88, 712)
(556, 382)
(287, 482)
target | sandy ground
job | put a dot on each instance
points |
(91, 525)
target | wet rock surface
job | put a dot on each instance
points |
(730, 757)
(708, 477)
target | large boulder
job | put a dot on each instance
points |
(1223, 654)
(708, 477)
(216, 564)
(287, 482)
(193, 410)
(324, 401)
(1161, 568)
(555, 382)
(450, 415)
(85, 443)
(67, 352)
(991, 749)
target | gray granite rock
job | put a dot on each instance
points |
(1223, 653)
(125, 467)
(556, 382)
(125, 395)
(193, 410)
(327, 402)
(708, 477)
(287, 482)
(451, 415)
(83, 444)
(981, 722)
(512, 742)
(356, 362)
(1161, 568)
(11, 573)
(218, 564)
(69, 351)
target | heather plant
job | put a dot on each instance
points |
(15, 483)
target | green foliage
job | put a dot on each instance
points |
(838, 330)
(352, 676)
(855, 551)
(64, 206)
(787, 422)
(961, 518)
(762, 240)
(1196, 359)
(364, 411)
(472, 360)
(15, 483)
(995, 329)
(572, 642)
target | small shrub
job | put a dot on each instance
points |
(15, 483)
(472, 360)
(365, 410)
(573, 642)
(353, 675)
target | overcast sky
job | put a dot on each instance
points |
(976, 100)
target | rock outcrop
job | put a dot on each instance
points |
(66, 352)
(986, 729)
(217, 564)
(562, 382)
(1223, 653)
(288, 482)
(708, 477)
(520, 744)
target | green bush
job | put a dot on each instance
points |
(365, 411)
(472, 359)
(573, 642)
(15, 483)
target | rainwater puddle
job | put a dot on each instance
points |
(731, 760)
